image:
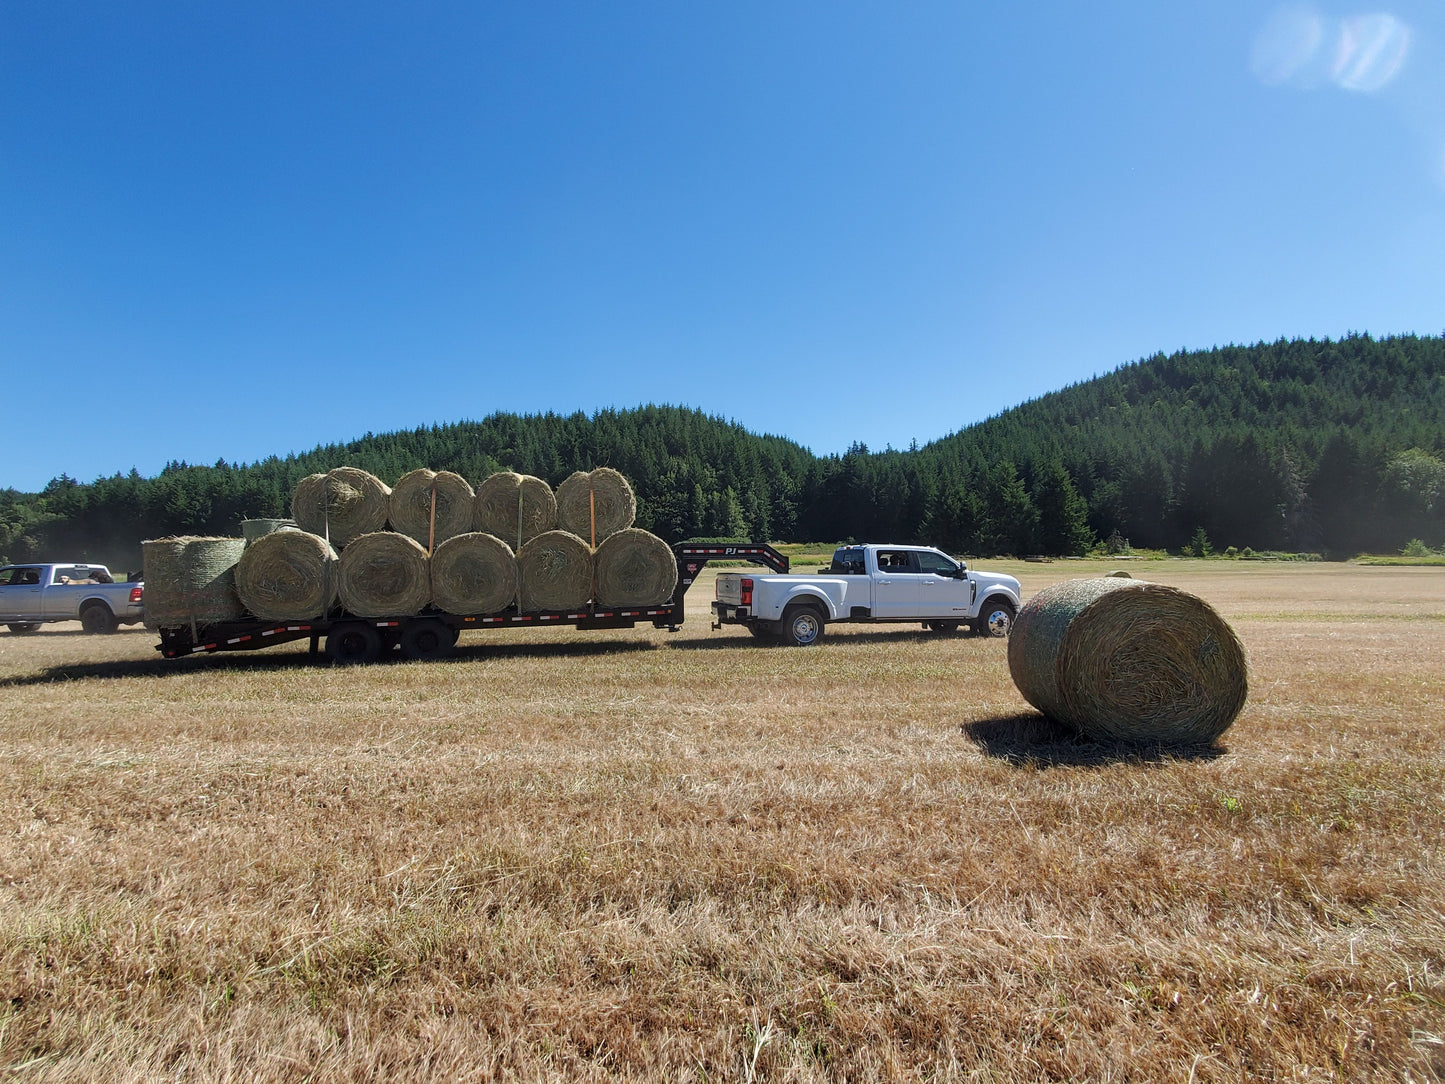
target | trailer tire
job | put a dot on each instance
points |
(762, 631)
(24, 626)
(996, 618)
(351, 642)
(802, 625)
(941, 626)
(98, 620)
(427, 638)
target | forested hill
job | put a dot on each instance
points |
(1331, 446)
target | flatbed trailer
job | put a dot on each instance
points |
(433, 634)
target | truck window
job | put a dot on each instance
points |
(936, 563)
(19, 577)
(897, 561)
(847, 563)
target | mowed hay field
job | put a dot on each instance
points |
(644, 855)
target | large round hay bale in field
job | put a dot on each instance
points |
(191, 581)
(595, 504)
(634, 568)
(287, 576)
(383, 574)
(554, 572)
(432, 506)
(1125, 660)
(252, 529)
(342, 504)
(515, 507)
(474, 573)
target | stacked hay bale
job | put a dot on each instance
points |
(432, 506)
(634, 568)
(191, 581)
(515, 507)
(288, 575)
(595, 504)
(341, 505)
(473, 573)
(554, 572)
(383, 574)
(1124, 660)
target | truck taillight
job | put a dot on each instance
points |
(135, 594)
(747, 591)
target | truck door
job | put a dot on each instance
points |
(895, 584)
(58, 603)
(943, 593)
(20, 591)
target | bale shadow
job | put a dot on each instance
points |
(1031, 739)
(262, 663)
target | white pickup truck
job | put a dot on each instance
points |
(869, 583)
(31, 595)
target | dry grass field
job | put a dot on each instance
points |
(644, 855)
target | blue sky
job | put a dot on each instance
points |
(236, 230)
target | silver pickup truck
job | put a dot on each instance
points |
(31, 595)
(869, 584)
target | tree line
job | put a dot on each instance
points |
(1336, 447)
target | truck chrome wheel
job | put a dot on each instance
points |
(802, 626)
(995, 619)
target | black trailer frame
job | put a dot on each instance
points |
(432, 633)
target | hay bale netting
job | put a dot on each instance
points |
(634, 568)
(288, 576)
(554, 572)
(1125, 660)
(412, 506)
(383, 574)
(604, 491)
(342, 504)
(474, 573)
(515, 507)
(252, 529)
(191, 581)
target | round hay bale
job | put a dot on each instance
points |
(474, 573)
(515, 507)
(287, 575)
(554, 572)
(342, 504)
(634, 568)
(604, 491)
(1120, 574)
(383, 574)
(252, 529)
(412, 506)
(1125, 660)
(191, 581)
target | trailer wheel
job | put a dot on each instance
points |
(802, 625)
(995, 619)
(427, 638)
(24, 626)
(351, 642)
(762, 632)
(97, 619)
(941, 626)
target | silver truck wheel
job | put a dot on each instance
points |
(97, 619)
(802, 625)
(995, 619)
